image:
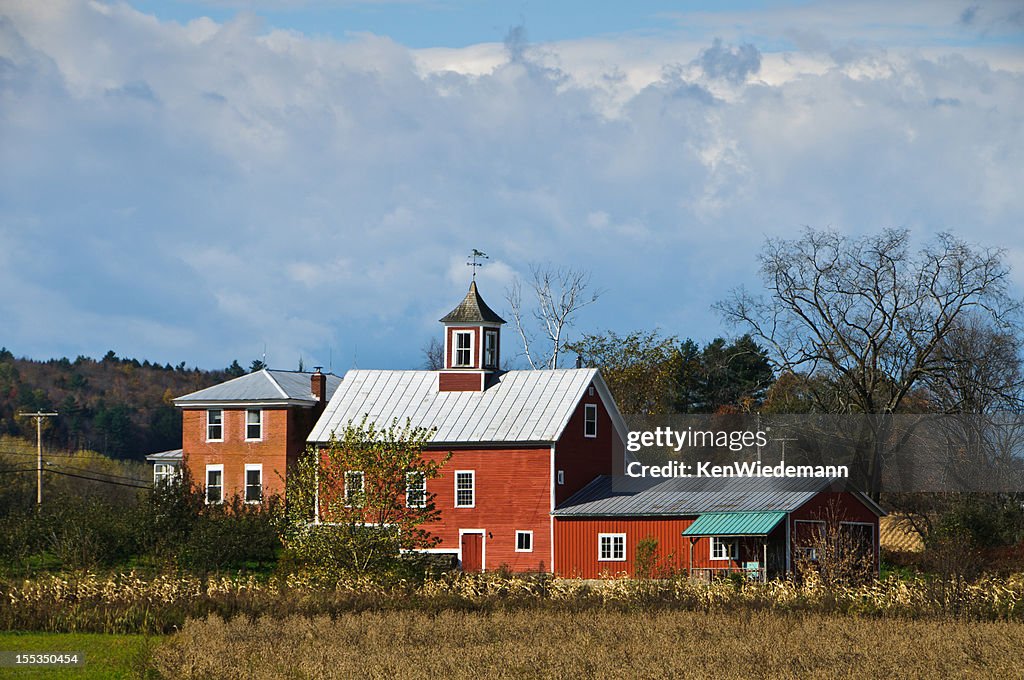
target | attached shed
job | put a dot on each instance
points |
(750, 525)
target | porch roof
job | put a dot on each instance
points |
(734, 524)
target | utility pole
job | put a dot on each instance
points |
(39, 415)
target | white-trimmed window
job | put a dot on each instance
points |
(355, 488)
(214, 425)
(465, 488)
(463, 349)
(415, 490)
(524, 541)
(215, 483)
(163, 473)
(561, 476)
(611, 547)
(253, 482)
(590, 420)
(253, 425)
(725, 548)
(490, 349)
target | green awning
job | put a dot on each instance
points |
(734, 524)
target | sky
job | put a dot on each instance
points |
(209, 180)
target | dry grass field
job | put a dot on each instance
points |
(601, 644)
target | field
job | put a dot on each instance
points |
(591, 644)
(106, 656)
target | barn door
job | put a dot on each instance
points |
(472, 552)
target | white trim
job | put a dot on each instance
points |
(362, 485)
(455, 500)
(216, 467)
(530, 534)
(587, 410)
(561, 477)
(243, 403)
(551, 516)
(733, 553)
(600, 539)
(483, 354)
(245, 482)
(423, 476)
(483, 546)
(260, 423)
(455, 351)
(208, 412)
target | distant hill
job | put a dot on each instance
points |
(119, 407)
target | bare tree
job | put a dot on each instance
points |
(869, 315)
(433, 355)
(557, 294)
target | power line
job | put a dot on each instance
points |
(91, 479)
(98, 472)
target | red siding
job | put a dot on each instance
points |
(513, 493)
(584, 458)
(459, 382)
(845, 507)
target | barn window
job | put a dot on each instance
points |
(590, 420)
(490, 349)
(215, 425)
(415, 490)
(355, 488)
(524, 541)
(561, 476)
(463, 349)
(253, 482)
(163, 473)
(465, 488)
(724, 548)
(611, 547)
(214, 483)
(253, 425)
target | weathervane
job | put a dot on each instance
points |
(473, 260)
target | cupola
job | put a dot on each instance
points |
(472, 344)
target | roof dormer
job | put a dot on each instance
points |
(472, 344)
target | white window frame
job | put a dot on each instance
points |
(561, 476)
(210, 411)
(472, 488)
(259, 424)
(245, 482)
(529, 535)
(732, 551)
(422, 489)
(218, 467)
(590, 417)
(612, 552)
(164, 472)
(455, 350)
(490, 361)
(362, 487)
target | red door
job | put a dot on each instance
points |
(472, 552)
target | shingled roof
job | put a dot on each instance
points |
(266, 387)
(472, 309)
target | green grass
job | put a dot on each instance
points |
(106, 656)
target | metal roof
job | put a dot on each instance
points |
(264, 386)
(472, 309)
(641, 497)
(165, 456)
(734, 524)
(517, 406)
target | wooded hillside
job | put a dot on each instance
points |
(119, 407)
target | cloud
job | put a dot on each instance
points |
(192, 190)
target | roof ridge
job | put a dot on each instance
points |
(273, 381)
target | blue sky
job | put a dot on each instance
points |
(193, 181)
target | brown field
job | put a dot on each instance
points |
(601, 644)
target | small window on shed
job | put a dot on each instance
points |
(590, 420)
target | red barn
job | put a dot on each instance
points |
(522, 442)
(707, 526)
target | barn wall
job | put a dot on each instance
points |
(513, 493)
(583, 458)
(844, 506)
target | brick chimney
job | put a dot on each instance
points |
(319, 384)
